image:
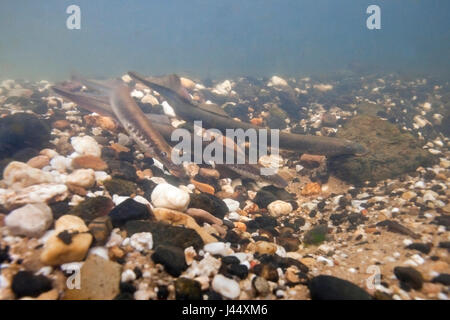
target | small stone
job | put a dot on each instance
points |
(19, 175)
(61, 124)
(106, 123)
(422, 247)
(408, 195)
(187, 83)
(164, 233)
(120, 187)
(263, 247)
(443, 278)
(84, 178)
(187, 289)
(170, 197)
(142, 241)
(31, 220)
(261, 286)
(218, 248)
(86, 146)
(203, 187)
(128, 210)
(311, 188)
(409, 277)
(45, 193)
(89, 162)
(70, 241)
(331, 288)
(316, 235)
(26, 284)
(92, 208)
(232, 205)
(100, 228)
(209, 173)
(100, 279)
(38, 162)
(209, 203)
(276, 81)
(264, 198)
(266, 270)
(172, 258)
(226, 287)
(279, 208)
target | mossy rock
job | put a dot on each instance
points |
(120, 187)
(92, 208)
(316, 235)
(277, 117)
(390, 152)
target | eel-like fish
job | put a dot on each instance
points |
(171, 89)
(147, 129)
(120, 106)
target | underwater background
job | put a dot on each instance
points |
(220, 38)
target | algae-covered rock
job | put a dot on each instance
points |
(390, 151)
(92, 208)
(20, 131)
(120, 186)
(277, 117)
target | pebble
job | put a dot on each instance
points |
(39, 162)
(19, 175)
(70, 241)
(325, 287)
(228, 288)
(89, 162)
(31, 220)
(86, 146)
(99, 279)
(128, 210)
(232, 205)
(34, 194)
(187, 289)
(142, 241)
(276, 81)
(279, 208)
(172, 258)
(167, 196)
(218, 248)
(26, 284)
(201, 216)
(128, 276)
(209, 203)
(409, 276)
(261, 286)
(84, 178)
(311, 188)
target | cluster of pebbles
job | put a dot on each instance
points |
(84, 214)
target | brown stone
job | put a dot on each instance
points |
(61, 124)
(38, 162)
(103, 122)
(100, 280)
(101, 228)
(311, 188)
(89, 162)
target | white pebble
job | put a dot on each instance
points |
(218, 248)
(86, 146)
(142, 241)
(128, 276)
(170, 197)
(278, 208)
(226, 287)
(232, 205)
(31, 220)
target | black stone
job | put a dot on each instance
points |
(165, 234)
(128, 210)
(235, 269)
(267, 271)
(172, 258)
(26, 284)
(409, 276)
(163, 292)
(264, 198)
(209, 203)
(331, 288)
(4, 254)
(230, 260)
(443, 278)
(422, 247)
(59, 209)
(122, 169)
(119, 186)
(187, 289)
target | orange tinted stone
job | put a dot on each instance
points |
(311, 188)
(89, 162)
(203, 187)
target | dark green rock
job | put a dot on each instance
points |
(390, 152)
(316, 235)
(332, 288)
(209, 203)
(277, 117)
(187, 289)
(92, 208)
(264, 198)
(120, 186)
(20, 131)
(165, 234)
